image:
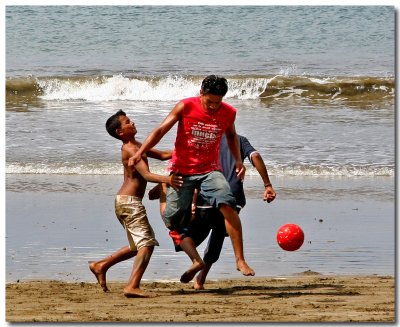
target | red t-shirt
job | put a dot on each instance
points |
(198, 137)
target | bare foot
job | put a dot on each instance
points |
(243, 267)
(137, 292)
(100, 275)
(189, 274)
(197, 286)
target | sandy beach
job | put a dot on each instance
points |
(306, 297)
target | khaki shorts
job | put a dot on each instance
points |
(132, 215)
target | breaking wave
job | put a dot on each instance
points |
(174, 88)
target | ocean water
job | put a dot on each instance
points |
(314, 87)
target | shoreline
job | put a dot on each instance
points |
(306, 297)
(69, 220)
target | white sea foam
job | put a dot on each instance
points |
(273, 170)
(118, 87)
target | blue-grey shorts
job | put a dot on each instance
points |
(214, 188)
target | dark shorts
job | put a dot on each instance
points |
(206, 220)
(199, 228)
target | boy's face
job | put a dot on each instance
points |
(210, 102)
(127, 128)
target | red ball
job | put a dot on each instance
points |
(290, 237)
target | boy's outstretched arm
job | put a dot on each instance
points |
(258, 163)
(159, 154)
(173, 180)
(157, 134)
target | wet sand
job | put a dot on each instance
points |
(342, 273)
(54, 234)
(307, 297)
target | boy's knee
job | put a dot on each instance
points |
(146, 249)
(223, 207)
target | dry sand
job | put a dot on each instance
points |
(308, 297)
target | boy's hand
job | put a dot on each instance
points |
(175, 181)
(240, 171)
(134, 159)
(269, 194)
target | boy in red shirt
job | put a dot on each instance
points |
(201, 123)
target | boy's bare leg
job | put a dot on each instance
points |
(189, 247)
(99, 268)
(132, 289)
(234, 229)
(200, 279)
(159, 192)
(163, 198)
(187, 243)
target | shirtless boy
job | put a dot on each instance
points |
(129, 208)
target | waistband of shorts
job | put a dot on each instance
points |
(129, 198)
(204, 207)
(211, 207)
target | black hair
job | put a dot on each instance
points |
(113, 124)
(215, 85)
